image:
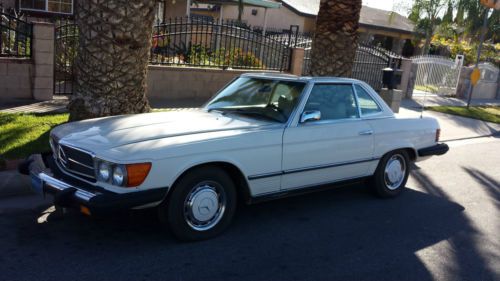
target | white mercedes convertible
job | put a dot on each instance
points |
(261, 137)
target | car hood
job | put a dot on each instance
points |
(111, 132)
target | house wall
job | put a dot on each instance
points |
(280, 18)
(6, 4)
(175, 10)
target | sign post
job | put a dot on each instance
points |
(495, 4)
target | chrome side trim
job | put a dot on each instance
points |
(326, 166)
(311, 168)
(60, 185)
(267, 175)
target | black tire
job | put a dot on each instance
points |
(194, 188)
(381, 181)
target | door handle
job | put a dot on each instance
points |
(366, 133)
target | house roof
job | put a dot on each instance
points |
(369, 16)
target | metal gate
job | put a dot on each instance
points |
(368, 63)
(66, 46)
(437, 75)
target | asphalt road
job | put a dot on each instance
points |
(445, 226)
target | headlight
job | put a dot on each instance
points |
(118, 175)
(104, 171)
(124, 175)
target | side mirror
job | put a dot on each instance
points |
(313, 115)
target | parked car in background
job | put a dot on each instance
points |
(262, 137)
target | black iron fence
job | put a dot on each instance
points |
(66, 47)
(368, 63)
(203, 42)
(16, 36)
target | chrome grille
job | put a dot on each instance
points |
(75, 161)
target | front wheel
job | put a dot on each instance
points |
(201, 206)
(392, 173)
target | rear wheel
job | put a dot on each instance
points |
(201, 206)
(392, 174)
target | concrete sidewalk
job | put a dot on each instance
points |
(59, 104)
(56, 105)
(418, 101)
(452, 127)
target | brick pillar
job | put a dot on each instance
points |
(297, 61)
(43, 58)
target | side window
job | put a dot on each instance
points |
(366, 102)
(335, 101)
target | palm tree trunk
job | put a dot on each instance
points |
(335, 40)
(113, 54)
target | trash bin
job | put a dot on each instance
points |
(391, 77)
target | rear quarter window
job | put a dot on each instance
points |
(366, 103)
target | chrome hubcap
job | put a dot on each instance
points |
(395, 171)
(204, 206)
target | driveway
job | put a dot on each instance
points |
(444, 227)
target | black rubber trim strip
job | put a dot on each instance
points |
(305, 190)
(311, 168)
(438, 149)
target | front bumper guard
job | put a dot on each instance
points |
(71, 194)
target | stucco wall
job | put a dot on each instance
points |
(280, 18)
(180, 83)
(6, 4)
(15, 78)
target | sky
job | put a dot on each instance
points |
(390, 5)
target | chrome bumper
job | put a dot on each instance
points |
(53, 185)
(96, 199)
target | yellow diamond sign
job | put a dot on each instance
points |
(475, 76)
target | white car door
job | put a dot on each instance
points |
(338, 146)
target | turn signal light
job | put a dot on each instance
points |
(137, 173)
(438, 134)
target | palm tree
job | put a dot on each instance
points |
(335, 40)
(113, 52)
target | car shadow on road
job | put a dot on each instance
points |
(342, 234)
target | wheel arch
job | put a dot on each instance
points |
(233, 171)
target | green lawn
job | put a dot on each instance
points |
(485, 113)
(22, 134)
(25, 134)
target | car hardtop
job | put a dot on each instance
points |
(291, 77)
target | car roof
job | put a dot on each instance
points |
(282, 76)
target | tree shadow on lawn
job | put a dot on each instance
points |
(38, 145)
(344, 234)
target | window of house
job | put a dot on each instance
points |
(366, 102)
(51, 6)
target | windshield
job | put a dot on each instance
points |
(259, 98)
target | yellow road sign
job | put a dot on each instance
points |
(475, 76)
